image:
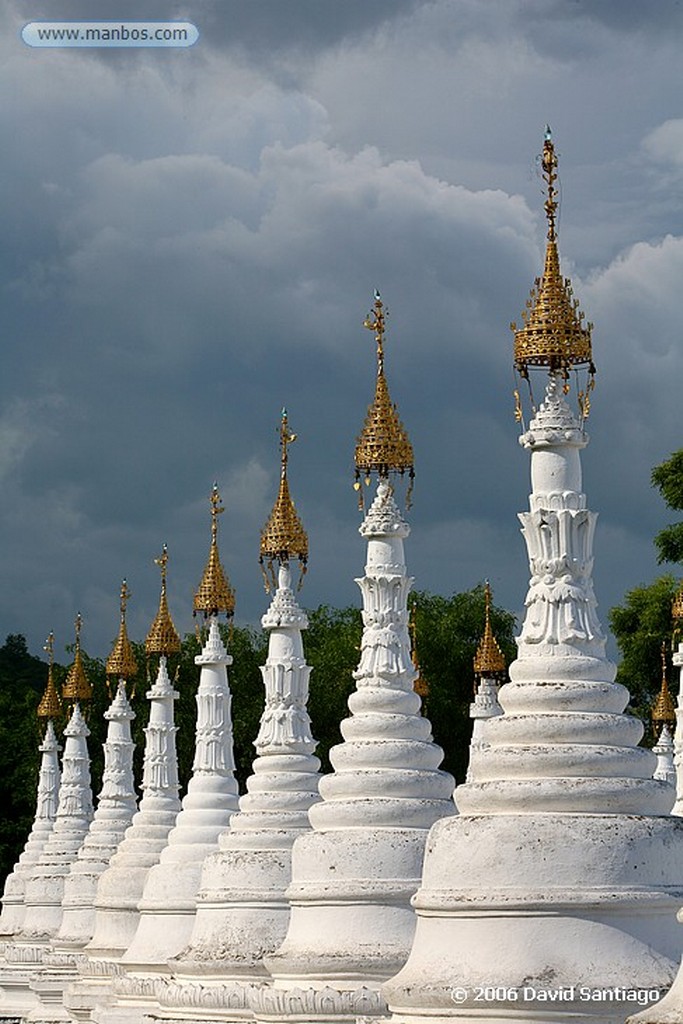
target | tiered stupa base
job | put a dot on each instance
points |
(542, 917)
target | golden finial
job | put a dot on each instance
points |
(50, 704)
(554, 334)
(663, 709)
(214, 593)
(383, 445)
(162, 637)
(283, 537)
(76, 686)
(677, 615)
(489, 661)
(121, 662)
(420, 685)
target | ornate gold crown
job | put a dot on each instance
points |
(663, 709)
(214, 593)
(283, 537)
(162, 637)
(554, 334)
(121, 662)
(489, 661)
(50, 704)
(383, 445)
(76, 686)
(677, 607)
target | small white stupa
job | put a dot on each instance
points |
(664, 723)
(49, 708)
(242, 912)
(490, 670)
(168, 903)
(116, 805)
(354, 874)
(559, 880)
(45, 883)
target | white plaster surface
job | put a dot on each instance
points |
(351, 921)
(564, 867)
(13, 906)
(121, 885)
(115, 809)
(169, 898)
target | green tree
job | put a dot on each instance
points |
(640, 626)
(448, 631)
(668, 478)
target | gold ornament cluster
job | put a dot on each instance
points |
(383, 445)
(283, 537)
(214, 593)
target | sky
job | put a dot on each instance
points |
(191, 239)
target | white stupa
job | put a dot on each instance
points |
(13, 907)
(168, 903)
(25, 954)
(116, 806)
(354, 874)
(120, 887)
(115, 809)
(664, 723)
(664, 749)
(45, 883)
(677, 615)
(561, 876)
(490, 671)
(242, 912)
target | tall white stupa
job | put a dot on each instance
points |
(490, 671)
(354, 874)
(120, 887)
(117, 802)
(242, 912)
(169, 899)
(115, 809)
(45, 883)
(49, 709)
(560, 878)
(25, 955)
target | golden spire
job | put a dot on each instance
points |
(283, 537)
(677, 615)
(76, 687)
(553, 334)
(162, 637)
(50, 705)
(663, 709)
(214, 593)
(420, 685)
(489, 661)
(383, 445)
(121, 662)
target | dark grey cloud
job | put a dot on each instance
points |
(191, 241)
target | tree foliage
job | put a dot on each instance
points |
(640, 626)
(668, 478)
(448, 632)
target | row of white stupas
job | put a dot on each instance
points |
(550, 893)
